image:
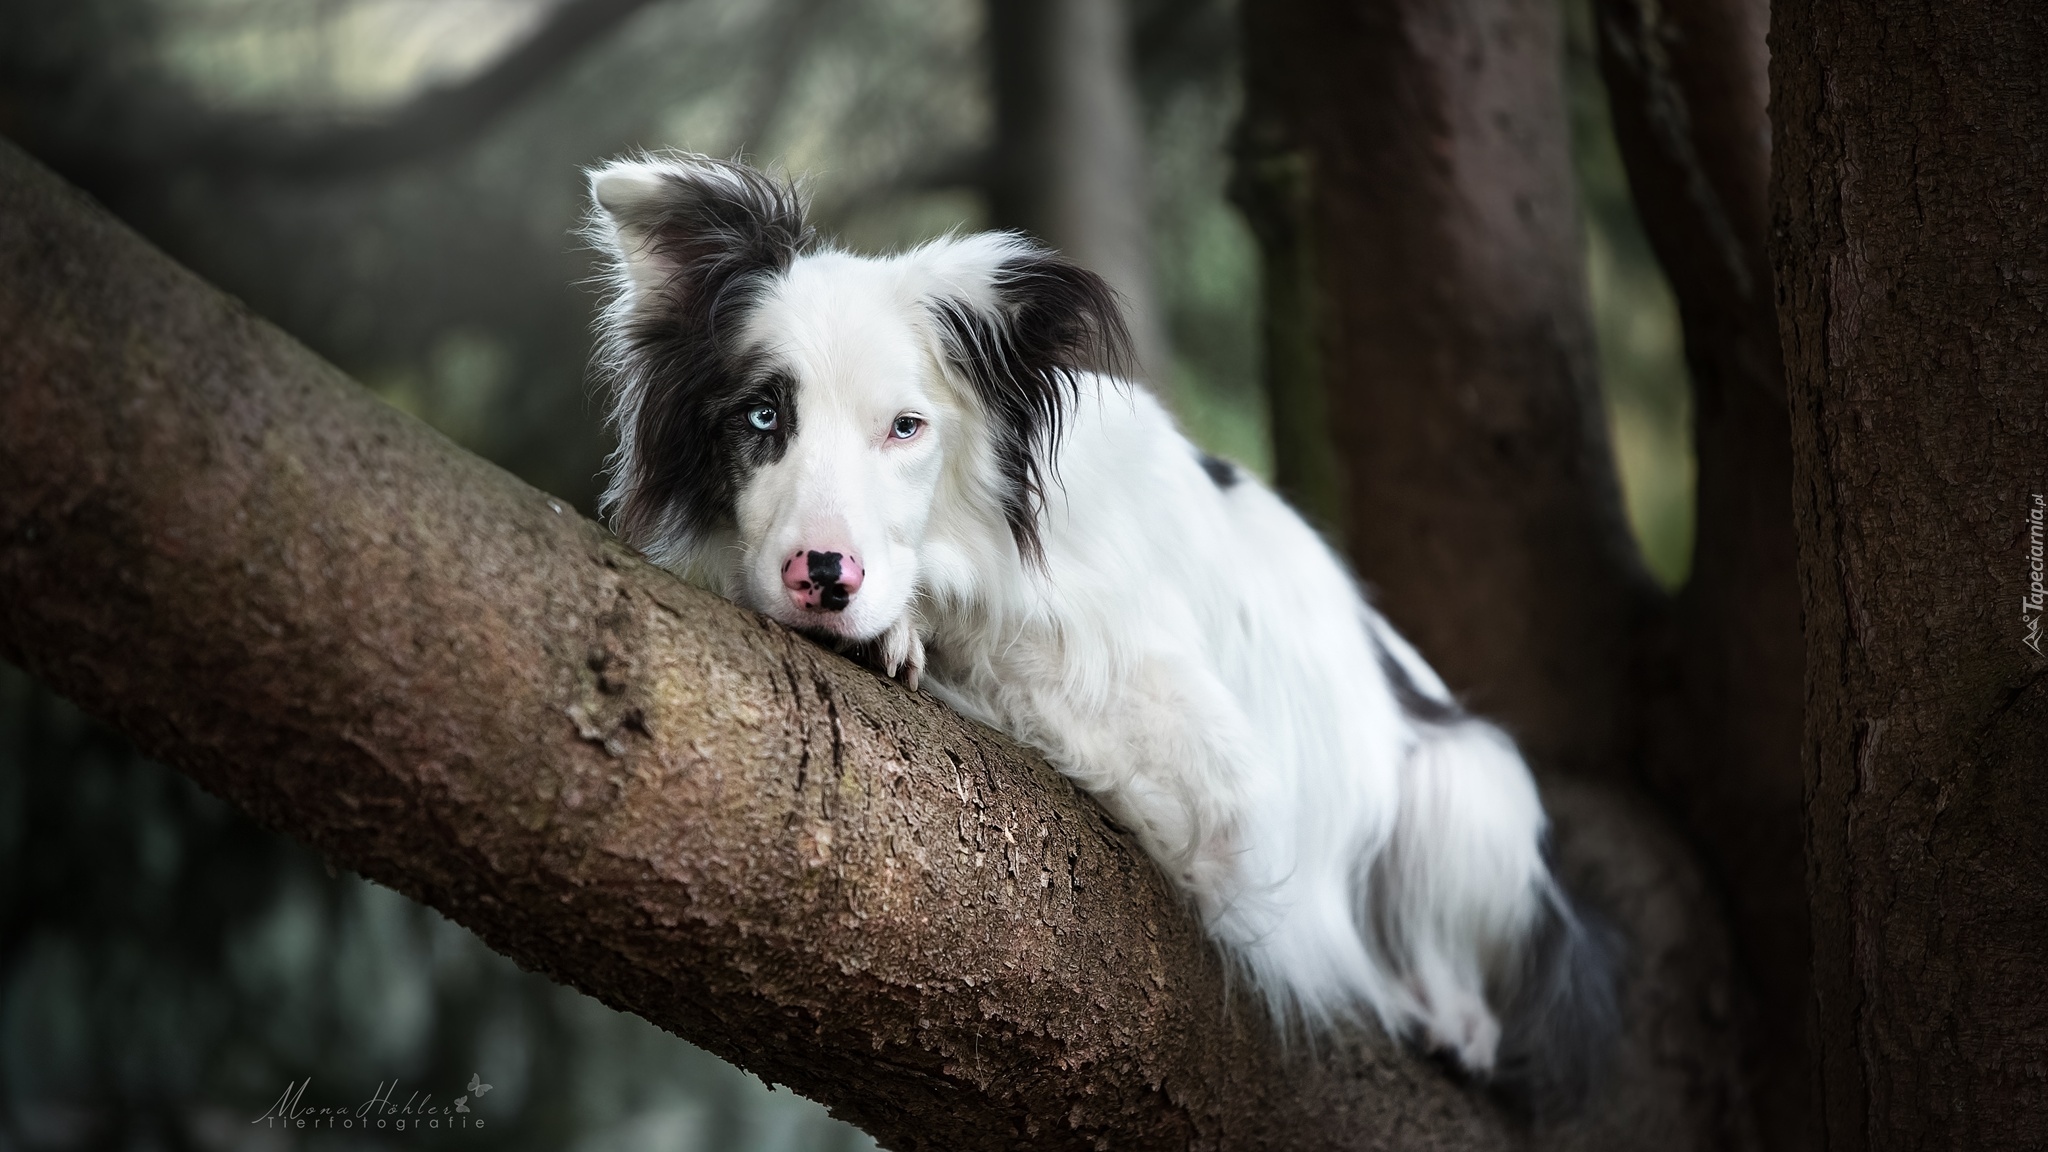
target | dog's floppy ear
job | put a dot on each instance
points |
(691, 240)
(1023, 325)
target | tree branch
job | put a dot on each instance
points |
(445, 680)
(436, 121)
(1688, 87)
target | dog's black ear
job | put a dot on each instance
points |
(691, 240)
(1025, 330)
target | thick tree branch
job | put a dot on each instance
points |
(1688, 87)
(446, 680)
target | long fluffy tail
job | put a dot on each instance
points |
(1561, 1010)
(1468, 914)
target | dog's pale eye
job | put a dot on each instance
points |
(764, 417)
(907, 426)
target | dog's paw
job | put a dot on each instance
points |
(1463, 1028)
(899, 653)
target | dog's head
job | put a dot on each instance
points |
(796, 424)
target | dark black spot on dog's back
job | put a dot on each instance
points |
(1221, 472)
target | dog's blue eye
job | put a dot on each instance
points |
(907, 426)
(764, 418)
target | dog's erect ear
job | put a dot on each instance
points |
(1023, 325)
(680, 224)
(691, 239)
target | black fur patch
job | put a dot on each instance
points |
(1221, 472)
(681, 391)
(1561, 1020)
(1419, 705)
(1055, 321)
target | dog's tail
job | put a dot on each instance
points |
(1510, 978)
(1561, 1010)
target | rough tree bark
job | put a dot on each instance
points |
(445, 680)
(1689, 87)
(1412, 159)
(1911, 247)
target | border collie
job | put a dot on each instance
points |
(929, 458)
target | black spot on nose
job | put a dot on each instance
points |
(832, 594)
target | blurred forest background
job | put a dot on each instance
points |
(397, 182)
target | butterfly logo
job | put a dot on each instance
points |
(477, 1088)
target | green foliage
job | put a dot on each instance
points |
(1635, 320)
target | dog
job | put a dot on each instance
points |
(932, 458)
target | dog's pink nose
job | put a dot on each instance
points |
(821, 581)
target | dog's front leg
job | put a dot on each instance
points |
(1169, 753)
(899, 652)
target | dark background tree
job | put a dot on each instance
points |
(1434, 393)
(1722, 735)
(1068, 162)
(1911, 250)
(1411, 166)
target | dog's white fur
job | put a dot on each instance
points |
(1188, 651)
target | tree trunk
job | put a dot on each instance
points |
(1412, 158)
(1688, 85)
(1406, 166)
(447, 681)
(1911, 247)
(1070, 151)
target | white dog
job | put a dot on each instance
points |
(928, 456)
